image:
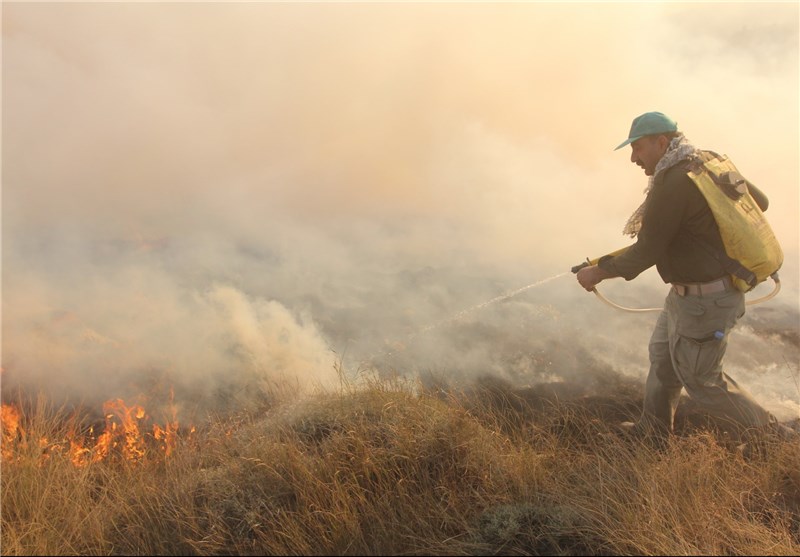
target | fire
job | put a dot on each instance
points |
(124, 436)
(78, 454)
(11, 430)
(168, 436)
(122, 430)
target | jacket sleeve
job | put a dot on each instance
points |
(664, 212)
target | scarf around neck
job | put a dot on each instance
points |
(679, 149)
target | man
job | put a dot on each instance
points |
(675, 230)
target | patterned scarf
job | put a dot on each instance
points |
(679, 149)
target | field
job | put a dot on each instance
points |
(389, 466)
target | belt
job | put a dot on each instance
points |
(703, 288)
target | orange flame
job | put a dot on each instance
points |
(78, 454)
(122, 436)
(11, 430)
(168, 434)
(122, 430)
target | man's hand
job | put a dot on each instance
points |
(591, 276)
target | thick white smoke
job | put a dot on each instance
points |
(236, 198)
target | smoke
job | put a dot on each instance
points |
(227, 198)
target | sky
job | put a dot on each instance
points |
(231, 197)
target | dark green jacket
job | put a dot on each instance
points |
(676, 216)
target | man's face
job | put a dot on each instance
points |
(647, 151)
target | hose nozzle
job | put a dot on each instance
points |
(577, 268)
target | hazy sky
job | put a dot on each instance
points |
(217, 193)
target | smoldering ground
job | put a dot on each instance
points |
(229, 199)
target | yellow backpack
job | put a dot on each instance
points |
(752, 252)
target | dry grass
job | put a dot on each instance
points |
(394, 468)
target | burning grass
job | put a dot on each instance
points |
(393, 468)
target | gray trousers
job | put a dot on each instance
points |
(686, 351)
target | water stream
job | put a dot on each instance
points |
(458, 315)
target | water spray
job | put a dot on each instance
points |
(476, 307)
(505, 296)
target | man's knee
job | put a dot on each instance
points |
(663, 372)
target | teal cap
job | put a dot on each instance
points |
(649, 123)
